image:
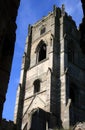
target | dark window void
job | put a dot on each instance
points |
(71, 55)
(72, 95)
(42, 31)
(42, 53)
(70, 52)
(36, 86)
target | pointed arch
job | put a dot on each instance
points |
(41, 51)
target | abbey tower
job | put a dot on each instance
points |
(51, 91)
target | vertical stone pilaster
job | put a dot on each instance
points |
(63, 77)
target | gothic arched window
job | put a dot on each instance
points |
(36, 85)
(41, 51)
(42, 30)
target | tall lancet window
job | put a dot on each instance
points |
(41, 51)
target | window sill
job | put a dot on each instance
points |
(39, 63)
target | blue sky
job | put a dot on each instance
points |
(29, 12)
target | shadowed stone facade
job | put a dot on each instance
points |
(7, 125)
(8, 13)
(82, 28)
(51, 91)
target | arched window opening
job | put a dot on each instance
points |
(42, 53)
(36, 86)
(42, 30)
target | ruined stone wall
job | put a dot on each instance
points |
(8, 13)
(7, 125)
(75, 71)
(60, 75)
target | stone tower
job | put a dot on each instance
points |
(51, 91)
